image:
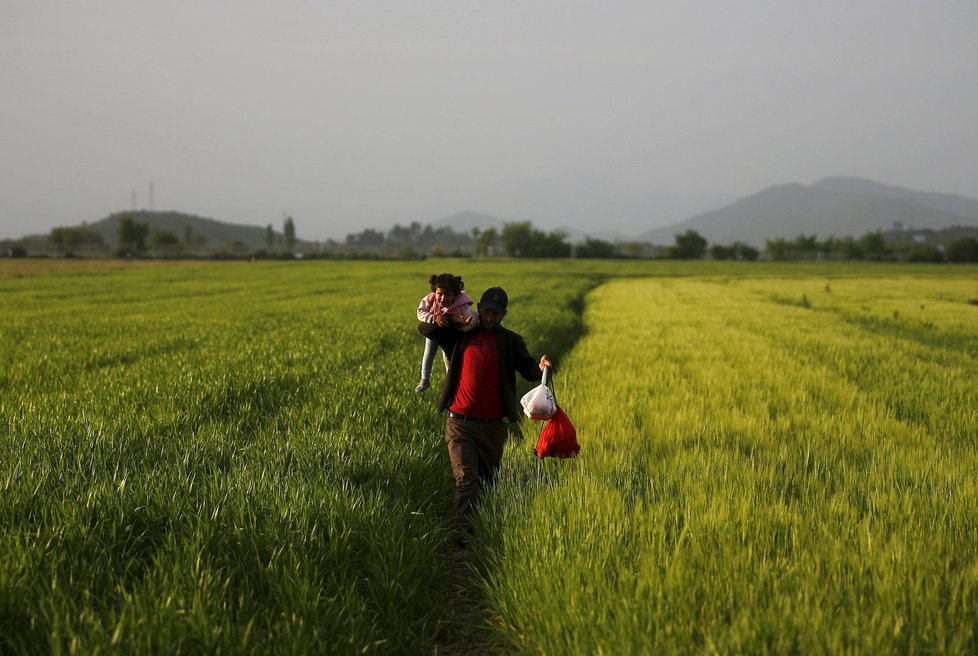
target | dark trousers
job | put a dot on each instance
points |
(475, 450)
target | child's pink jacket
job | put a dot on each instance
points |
(461, 307)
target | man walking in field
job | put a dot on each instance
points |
(480, 395)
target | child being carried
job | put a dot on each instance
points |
(447, 304)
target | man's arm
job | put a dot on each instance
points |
(444, 336)
(525, 363)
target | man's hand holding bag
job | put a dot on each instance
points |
(558, 439)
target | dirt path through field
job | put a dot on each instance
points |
(466, 631)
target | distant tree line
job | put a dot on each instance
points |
(136, 239)
(516, 239)
(872, 246)
(522, 239)
(519, 239)
(410, 241)
(68, 241)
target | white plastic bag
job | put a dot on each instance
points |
(539, 403)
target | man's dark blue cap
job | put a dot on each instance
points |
(494, 298)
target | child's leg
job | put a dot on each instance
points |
(444, 357)
(428, 358)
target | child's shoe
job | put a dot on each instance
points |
(422, 386)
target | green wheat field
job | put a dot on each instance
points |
(229, 458)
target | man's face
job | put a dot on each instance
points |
(490, 318)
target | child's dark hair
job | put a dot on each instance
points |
(447, 281)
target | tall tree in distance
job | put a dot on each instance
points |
(690, 245)
(517, 239)
(64, 239)
(595, 248)
(288, 230)
(874, 246)
(521, 239)
(132, 236)
(164, 242)
(963, 249)
(484, 241)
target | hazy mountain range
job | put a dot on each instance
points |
(599, 207)
(833, 206)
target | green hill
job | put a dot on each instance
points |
(196, 234)
(215, 234)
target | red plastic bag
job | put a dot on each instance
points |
(558, 438)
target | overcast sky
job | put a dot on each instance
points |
(360, 113)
